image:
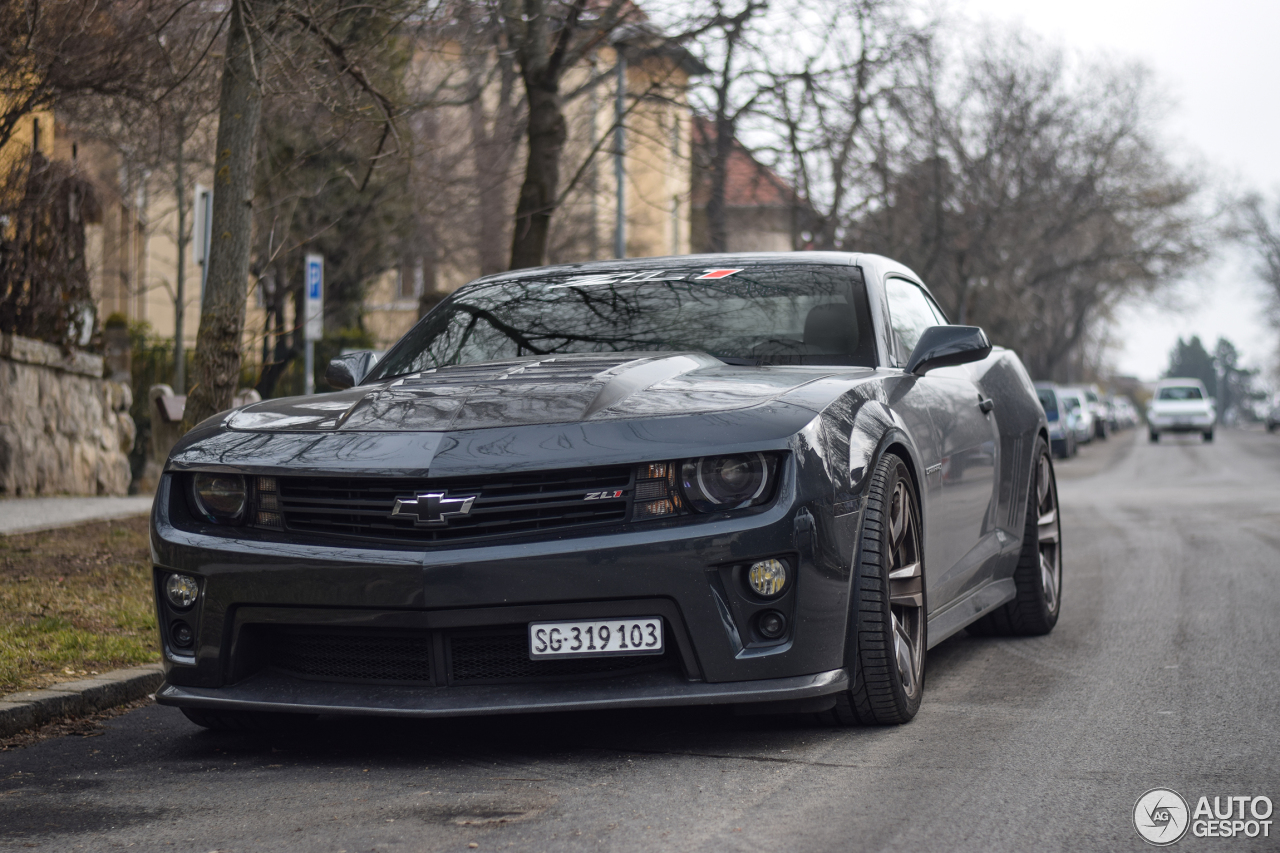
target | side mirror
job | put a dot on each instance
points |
(346, 371)
(944, 346)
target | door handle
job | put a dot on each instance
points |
(986, 404)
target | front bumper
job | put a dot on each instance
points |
(274, 692)
(1180, 423)
(251, 585)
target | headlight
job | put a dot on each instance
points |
(715, 483)
(220, 498)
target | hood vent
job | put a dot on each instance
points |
(575, 369)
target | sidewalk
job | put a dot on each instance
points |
(28, 515)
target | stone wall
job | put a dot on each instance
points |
(63, 428)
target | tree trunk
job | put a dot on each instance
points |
(219, 340)
(546, 135)
(717, 202)
(492, 149)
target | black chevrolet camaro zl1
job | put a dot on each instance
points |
(766, 480)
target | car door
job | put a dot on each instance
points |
(960, 545)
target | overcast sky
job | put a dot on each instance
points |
(1220, 63)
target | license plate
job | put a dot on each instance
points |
(597, 638)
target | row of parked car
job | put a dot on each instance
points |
(1078, 415)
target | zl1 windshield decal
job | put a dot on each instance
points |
(644, 277)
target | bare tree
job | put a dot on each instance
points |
(218, 341)
(1262, 231)
(163, 129)
(1034, 196)
(734, 87)
(53, 50)
(313, 49)
(547, 38)
(819, 101)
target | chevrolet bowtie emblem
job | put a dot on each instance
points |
(433, 509)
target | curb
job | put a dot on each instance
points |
(29, 708)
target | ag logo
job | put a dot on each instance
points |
(1161, 816)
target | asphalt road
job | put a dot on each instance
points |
(1163, 672)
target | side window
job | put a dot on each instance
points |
(910, 313)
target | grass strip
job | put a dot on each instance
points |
(75, 602)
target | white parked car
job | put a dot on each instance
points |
(1181, 405)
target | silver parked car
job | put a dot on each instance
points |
(1062, 421)
(1074, 401)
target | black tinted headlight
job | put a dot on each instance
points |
(219, 498)
(716, 483)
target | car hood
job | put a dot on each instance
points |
(535, 390)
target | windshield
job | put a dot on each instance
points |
(1180, 392)
(783, 314)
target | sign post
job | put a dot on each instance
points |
(313, 328)
(202, 233)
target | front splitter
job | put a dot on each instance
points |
(282, 693)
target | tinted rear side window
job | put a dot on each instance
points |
(1049, 402)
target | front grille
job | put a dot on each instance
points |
(351, 655)
(505, 657)
(505, 504)
(499, 655)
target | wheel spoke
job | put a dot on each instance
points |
(906, 588)
(1042, 480)
(905, 651)
(898, 513)
(1048, 526)
(911, 570)
(1049, 582)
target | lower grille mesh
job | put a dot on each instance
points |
(505, 657)
(356, 655)
(351, 656)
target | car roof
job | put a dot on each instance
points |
(727, 259)
(1176, 381)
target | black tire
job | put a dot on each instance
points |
(1153, 436)
(246, 721)
(887, 626)
(1208, 436)
(1035, 608)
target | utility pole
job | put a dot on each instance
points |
(180, 289)
(620, 149)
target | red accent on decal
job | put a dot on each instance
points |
(718, 274)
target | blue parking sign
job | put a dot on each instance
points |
(313, 272)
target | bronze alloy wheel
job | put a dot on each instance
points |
(887, 654)
(1038, 577)
(1048, 537)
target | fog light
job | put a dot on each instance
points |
(182, 590)
(182, 635)
(771, 624)
(768, 577)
